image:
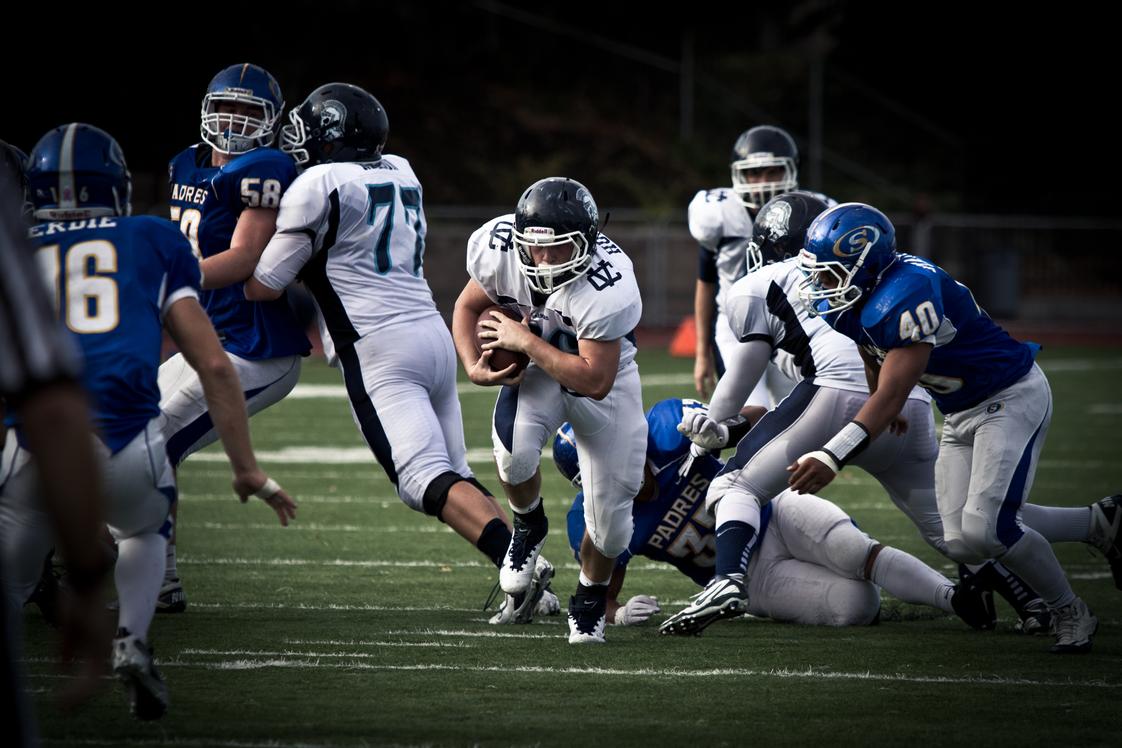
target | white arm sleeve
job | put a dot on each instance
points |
(282, 259)
(743, 369)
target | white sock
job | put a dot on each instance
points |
(906, 577)
(589, 583)
(525, 509)
(1032, 559)
(139, 575)
(170, 572)
(1058, 524)
(737, 506)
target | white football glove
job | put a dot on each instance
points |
(703, 430)
(636, 610)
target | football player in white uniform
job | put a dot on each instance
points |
(764, 164)
(353, 227)
(577, 291)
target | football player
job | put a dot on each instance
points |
(580, 303)
(915, 325)
(353, 226)
(812, 566)
(774, 330)
(118, 281)
(225, 192)
(765, 162)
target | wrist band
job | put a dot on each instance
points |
(847, 443)
(268, 490)
(825, 458)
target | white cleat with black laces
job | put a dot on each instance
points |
(526, 541)
(132, 663)
(588, 617)
(722, 598)
(521, 608)
(1073, 625)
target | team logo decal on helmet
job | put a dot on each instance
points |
(777, 219)
(331, 119)
(854, 241)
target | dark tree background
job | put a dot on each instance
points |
(977, 107)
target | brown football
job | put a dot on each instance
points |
(501, 357)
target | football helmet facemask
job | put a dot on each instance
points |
(241, 109)
(847, 249)
(757, 150)
(553, 212)
(337, 122)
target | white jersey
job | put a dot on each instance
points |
(764, 305)
(721, 225)
(603, 305)
(365, 231)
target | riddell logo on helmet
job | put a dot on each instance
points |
(543, 232)
(854, 241)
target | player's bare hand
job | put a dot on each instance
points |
(504, 332)
(898, 426)
(809, 475)
(482, 374)
(256, 483)
(704, 375)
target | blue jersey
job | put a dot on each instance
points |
(673, 526)
(916, 301)
(113, 279)
(207, 201)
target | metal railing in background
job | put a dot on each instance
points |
(1030, 268)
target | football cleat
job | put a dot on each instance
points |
(132, 663)
(974, 605)
(1073, 625)
(526, 541)
(588, 616)
(1035, 618)
(520, 608)
(549, 605)
(1106, 520)
(722, 598)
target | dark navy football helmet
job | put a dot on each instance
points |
(555, 211)
(565, 454)
(78, 171)
(779, 230)
(338, 122)
(241, 109)
(756, 150)
(847, 248)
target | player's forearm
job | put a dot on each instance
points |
(465, 316)
(882, 407)
(746, 366)
(226, 268)
(704, 310)
(573, 372)
(226, 404)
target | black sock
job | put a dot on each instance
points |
(535, 516)
(494, 540)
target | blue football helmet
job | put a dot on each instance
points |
(779, 231)
(78, 171)
(565, 454)
(241, 109)
(847, 249)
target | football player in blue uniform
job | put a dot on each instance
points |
(914, 324)
(225, 193)
(118, 281)
(812, 564)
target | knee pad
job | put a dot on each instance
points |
(517, 467)
(980, 537)
(847, 549)
(611, 541)
(852, 603)
(436, 494)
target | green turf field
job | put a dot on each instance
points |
(361, 624)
